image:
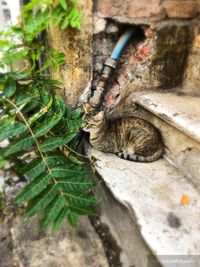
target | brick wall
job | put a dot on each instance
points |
(160, 60)
(133, 10)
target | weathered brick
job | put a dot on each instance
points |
(143, 9)
(180, 9)
(107, 8)
(130, 10)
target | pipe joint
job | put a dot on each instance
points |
(111, 62)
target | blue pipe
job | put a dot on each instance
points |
(109, 65)
(122, 43)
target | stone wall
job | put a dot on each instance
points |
(156, 58)
(133, 11)
(77, 47)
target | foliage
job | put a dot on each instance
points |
(23, 41)
(37, 122)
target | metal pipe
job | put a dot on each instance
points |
(109, 66)
(123, 40)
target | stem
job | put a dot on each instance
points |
(30, 130)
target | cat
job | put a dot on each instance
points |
(130, 138)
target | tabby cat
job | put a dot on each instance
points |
(129, 138)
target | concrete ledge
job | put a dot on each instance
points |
(178, 109)
(153, 192)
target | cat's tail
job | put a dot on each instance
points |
(139, 158)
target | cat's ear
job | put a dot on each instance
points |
(89, 109)
(86, 107)
(100, 115)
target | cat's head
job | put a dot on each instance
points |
(94, 122)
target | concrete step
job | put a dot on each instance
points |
(177, 117)
(177, 109)
(153, 193)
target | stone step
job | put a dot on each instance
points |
(177, 109)
(153, 193)
(176, 116)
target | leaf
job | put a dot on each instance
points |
(46, 126)
(52, 211)
(51, 143)
(56, 158)
(11, 130)
(41, 112)
(10, 88)
(62, 172)
(41, 201)
(72, 218)
(33, 188)
(74, 184)
(65, 23)
(34, 168)
(82, 210)
(17, 146)
(75, 160)
(5, 121)
(64, 213)
(2, 162)
(24, 99)
(59, 19)
(80, 199)
(63, 4)
(30, 106)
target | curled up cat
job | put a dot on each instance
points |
(130, 138)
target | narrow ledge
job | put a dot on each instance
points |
(153, 192)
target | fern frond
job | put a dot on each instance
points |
(34, 168)
(10, 130)
(36, 122)
(34, 187)
(52, 211)
(74, 184)
(17, 146)
(63, 215)
(41, 201)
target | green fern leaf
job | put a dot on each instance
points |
(52, 211)
(60, 219)
(35, 187)
(59, 19)
(34, 168)
(55, 142)
(55, 159)
(48, 124)
(10, 88)
(51, 143)
(17, 146)
(30, 107)
(11, 130)
(75, 160)
(41, 201)
(80, 199)
(72, 218)
(23, 99)
(62, 171)
(81, 210)
(2, 162)
(63, 4)
(75, 184)
(5, 121)
(65, 23)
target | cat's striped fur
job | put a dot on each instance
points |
(130, 138)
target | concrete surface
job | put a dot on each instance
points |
(153, 192)
(66, 248)
(178, 109)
